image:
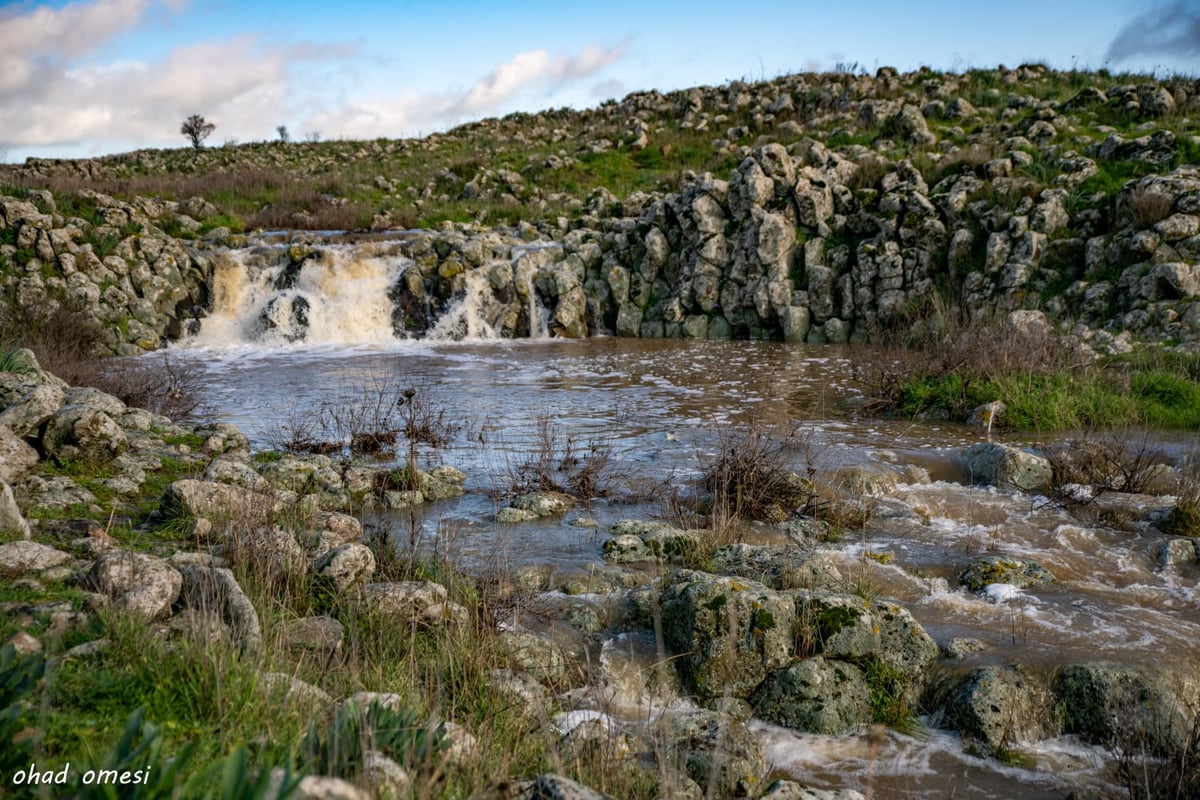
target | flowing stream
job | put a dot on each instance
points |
(274, 350)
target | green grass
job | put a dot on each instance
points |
(1061, 401)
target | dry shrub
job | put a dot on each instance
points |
(1184, 519)
(157, 383)
(1115, 461)
(562, 463)
(1144, 774)
(1148, 206)
(751, 476)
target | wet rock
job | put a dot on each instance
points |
(27, 556)
(1140, 707)
(960, 647)
(987, 415)
(717, 750)
(543, 504)
(857, 629)
(999, 707)
(216, 589)
(779, 566)
(729, 633)
(1007, 467)
(83, 433)
(138, 583)
(346, 565)
(816, 695)
(1017, 572)
(790, 790)
(1177, 551)
(869, 481)
(638, 541)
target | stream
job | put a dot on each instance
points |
(659, 409)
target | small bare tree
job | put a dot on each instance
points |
(284, 135)
(196, 128)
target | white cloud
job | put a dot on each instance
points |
(56, 95)
(393, 116)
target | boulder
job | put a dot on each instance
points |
(25, 416)
(1007, 467)
(536, 656)
(728, 633)
(815, 695)
(138, 583)
(1000, 706)
(215, 589)
(779, 566)
(11, 519)
(27, 556)
(1136, 707)
(346, 565)
(790, 790)
(557, 787)
(17, 458)
(717, 751)
(1017, 572)
(205, 499)
(83, 433)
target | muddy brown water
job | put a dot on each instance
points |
(661, 406)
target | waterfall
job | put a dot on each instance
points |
(336, 294)
(366, 293)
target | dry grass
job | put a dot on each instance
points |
(1148, 207)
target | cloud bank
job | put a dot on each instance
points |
(57, 92)
(1160, 31)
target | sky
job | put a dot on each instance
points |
(92, 77)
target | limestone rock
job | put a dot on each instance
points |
(27, 556)
(11, 519)
(1021, 573)
(815, 695)
(83, 433)
(1007, 467)
(346, 565)
(729, 632)
(25, 416)
(715, 747)
(216, 589)
(138, 583)
(999, 707)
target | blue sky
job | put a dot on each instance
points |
(101, 76)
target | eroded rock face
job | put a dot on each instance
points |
(1142, 706)
(1001, 706)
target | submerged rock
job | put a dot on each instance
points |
(1017, 572)
(1007, 467)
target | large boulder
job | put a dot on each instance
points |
(209, 500)
(26, 556)
(999, 706)
(83, 433)
(1007, 467)
(851, 628)
(214, 589)
(141, 584)
(346, 565)
(1134, 706)
(17, 458)
(27, 414)
(816, 695)
(729, 633)
(718, 751)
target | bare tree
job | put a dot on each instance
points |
(284, 136)
(196, 128)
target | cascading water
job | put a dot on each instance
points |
(335, 294)
(365, 293)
